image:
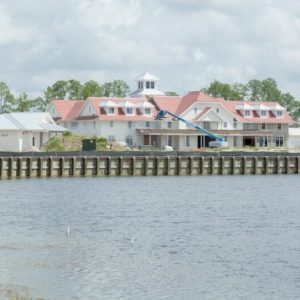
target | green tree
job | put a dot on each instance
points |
(269, 90)
(120, 88)
(92, 89)
(22, 103)
(117, 88)
(74, 90)
(107, 89)
(254, 90)
(39, 104)
(224, 90)
(58, 91)
(6, 98)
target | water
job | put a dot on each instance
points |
(231, 237)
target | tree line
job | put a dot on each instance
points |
(254, 90)
(61, 90)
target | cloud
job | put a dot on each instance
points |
(187, 43)
(9, 32)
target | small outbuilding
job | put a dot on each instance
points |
(26, 131)
(294, 137)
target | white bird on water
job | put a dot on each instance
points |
(68, 231)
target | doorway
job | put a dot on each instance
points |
(249, 141)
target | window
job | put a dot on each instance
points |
(169, 124)
(234, 123)
(279, 113)
(74, 125)
(147, 84)
(111, 124)
(94, 124)
(111, 138)
(263, 141)
(217, 110)
(152, 84)
(147, 124)
(263, 113)
(279, 141)
(111, 110)
(263, 126)
(33, 141)
(187, 141)
(129, 124)
(196, 110)
(129, 140)
(206, 125)
(247, 113)
(279, 126)
(129, 111)
(147, 111)
(169, 140)
(225, 125)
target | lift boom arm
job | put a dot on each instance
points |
(162, 114)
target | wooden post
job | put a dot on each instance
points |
(191, 165)
(20, 167)
(50, 165)
(167, 160)
(97, 164)
(244, 165)
(120, 166)
(108, 166)
(266, 164)
(10, 167)
(133, 164)
(233, 165)
(74, 166)
(157, 165)
(145, 165)
(29, 166)
(255, 165)
(40, 167)
(178, 165)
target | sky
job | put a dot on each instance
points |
(186, 43)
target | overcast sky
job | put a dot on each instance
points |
(187, 43)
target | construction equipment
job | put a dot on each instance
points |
(219, 141)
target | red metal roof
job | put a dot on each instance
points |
(70, 109)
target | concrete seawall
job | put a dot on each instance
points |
(43, 166)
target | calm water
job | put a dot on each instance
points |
(152, 238)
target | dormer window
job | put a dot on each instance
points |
(129, 111)
(147, 111)
(263, 113)
(279, 113)
(147, 84)
(111, 111)
(140, 85)
(152, 84)
(247, 113)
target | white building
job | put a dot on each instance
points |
(132, 120)
(26, 131)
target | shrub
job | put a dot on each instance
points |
(67, 133)
(54, 144)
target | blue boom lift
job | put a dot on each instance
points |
(219, 142)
